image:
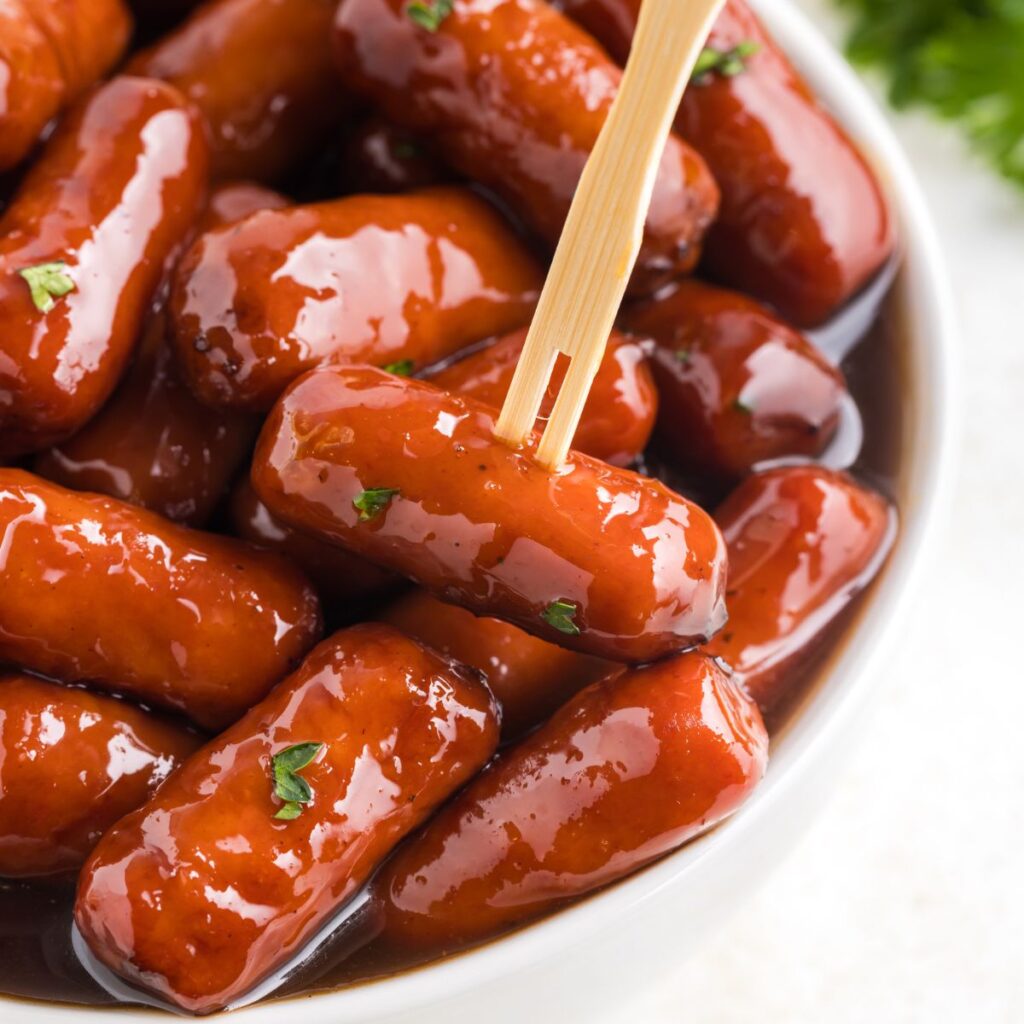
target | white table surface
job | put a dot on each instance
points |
(905, 901)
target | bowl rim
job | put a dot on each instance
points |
(929, 440)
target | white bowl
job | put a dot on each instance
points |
(586, 960)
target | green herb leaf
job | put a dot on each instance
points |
(47, 281)
(371, 503)
(727, 63)
(402, 368)
(683, 356)
(288, 786)
(297, 757)
(289, 812)
(740, 406)
(560, 615)
(429, 14)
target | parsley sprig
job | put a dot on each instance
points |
(371, 503)
(561, 615)
(429, 14)
(289, 786)
(727, 63)
(46, 282)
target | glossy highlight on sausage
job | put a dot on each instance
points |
(594, 558)
(619, 415)
(109, 199)
(205, 891)
(98, 591)
(738, 385)
(513, 95)
(71, 764)
(631, 768)
(803, 542)
(258, 303)
(51, 51)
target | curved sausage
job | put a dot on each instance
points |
(804, 224)
(530, 678)
(130, 154)
(260, 73)
(619, 415)
(71, 764)
(207, 889)
(102, 592)
(342, 579)
(474, 89)
(631, 768)
(596, 559)
(739, 386)
(376, 279)
(153, 444)
(380, 157)
(51, 51)
(803, 542)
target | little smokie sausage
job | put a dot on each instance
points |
(215, 883)
(619, 415)
(530, 678)
(803, 542)
(630, 769)
(375, 279)
(51, 51)
(738, 385)
(804, 223)
(596, 559)
(380, 157)
(83, 247)
(341, 578)
(71, 764)
(514, 95)
(98, 591)
(153, 443)
(260, 72)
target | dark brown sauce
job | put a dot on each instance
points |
(37, 960)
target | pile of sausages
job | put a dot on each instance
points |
(230, 414)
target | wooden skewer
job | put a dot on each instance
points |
(601, 238)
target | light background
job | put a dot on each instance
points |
(905, 901)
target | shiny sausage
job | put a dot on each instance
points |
(98, 591)
(804, 223)
(260, 73)
(71, 764)
(618, 417)
(530, 678)
(153, 444)
(342, 579)
(376, 279)
(380, 157)
(739, 386)
(803, 542)
(130, 154)
(475, 89)
(596, 559)
(51, 51)
(206, 890)
(631, 768)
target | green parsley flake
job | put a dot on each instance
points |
(46, 282)
(289, 786)
(727, 63)
(560, 615)
(371, 503)
(403, 368)
(429, 14)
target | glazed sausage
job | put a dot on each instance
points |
(258, 303)
(342, 579)
(72, 764)
(380, 157)
(739, 386)
(596, 559)
(51, 51)
(803, 542)
(804, 224)
(474, 88)
(206, 890)
(98, 591)
(153, 444)
(260, 72)
(619, 415)
(631, 768)
(530, 678)
(130, 154)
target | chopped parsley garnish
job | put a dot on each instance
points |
(46, 282)
(289, 786)
(683, 356)
(371, 503)
(402, 368)
(727, 63)
(429, 14)
(560, 615)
